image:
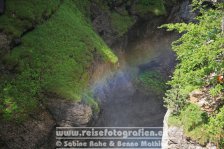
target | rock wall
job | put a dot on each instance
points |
(32, 134)
(38, 130)
(174, 138)
(181, 12)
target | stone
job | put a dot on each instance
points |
(32, 133)
(182, 12)
(174, 138)
(69, 113)
(195, 96)
(196, 93)
(202, 102)
(101, 23)
(193, 99)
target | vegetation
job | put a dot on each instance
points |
(23, 14)
(194, 122)
(200, 52)
(55, 57)
(121, 23)
(152, 80)
(122, 12)
(154, 6)
(199, 126)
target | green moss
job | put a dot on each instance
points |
(121, 23)
(174, 120)
(22, 14)
(88, 99)
(55, 57)
(154, 6)
(152, 80)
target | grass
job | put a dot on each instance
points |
(22, 14)
(55, 57)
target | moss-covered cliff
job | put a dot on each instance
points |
(50, 53)
(55, 57)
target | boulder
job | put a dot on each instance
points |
(69, 113)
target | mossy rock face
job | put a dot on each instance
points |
(69, 113)
(117, 17)
(121, 23)
(152, 81)
(144, 7)
(23, 14)
(53, 58)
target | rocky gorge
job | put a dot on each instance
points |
(118, 99)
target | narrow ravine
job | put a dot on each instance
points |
(123, 102)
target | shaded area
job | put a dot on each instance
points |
(124, 103)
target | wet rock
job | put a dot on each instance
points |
(182, 12)
(69, 113)
(30, 134)
(101, 23)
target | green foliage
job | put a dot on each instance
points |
(121, 23)
(194, 122)
(56, 57)
(88, 99)
(154, 6)
(22, 14)
(174, 120)
(216, 90)
(192, 117)
(152, 80)
(199, 51)
(199, 126)
(216, 128)
(175, 98)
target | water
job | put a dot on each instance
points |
(123, 102)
